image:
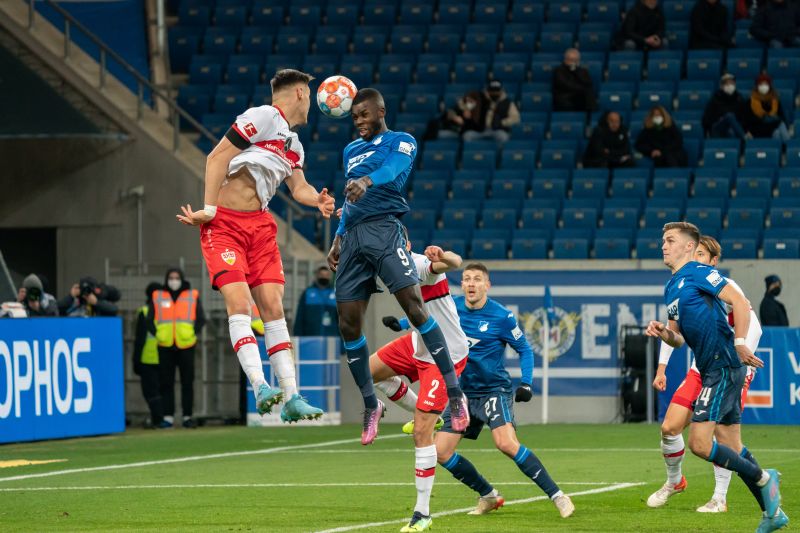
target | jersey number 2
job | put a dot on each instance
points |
(434, 386)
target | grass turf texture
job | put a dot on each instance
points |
(629, 453)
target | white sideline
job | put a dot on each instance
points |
(189, 458)
(269, 485)
(538, 450)
(616, 486)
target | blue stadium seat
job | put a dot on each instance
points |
(205, 70)
(230, 16)
(744, 68)
(194, 15)
(519, 38)
(435, 189)
(753, 187)
(341, 15)
(707, 218)
(560, 11)
(508, 189)
(490, 12)
(539, 218)
(230, 104)
(220, 41)
(594, 39)
(572, 248)
(320, 160)
(508, 71)
(472, 72)
(547, 184)
(717, 187)
(579, 217)
(444, 42)
(499, 218)
(460, 218)
(433, 72)
(693, 98)
(624, 217)
(379, 14)
(528, 248)
(556, 156)
(789, 186)
(784, 67)
(433, 159)
(262, 95)
(726, 157)
(518, 159)
(184, 42)
(781, 248)
(527, 11)
(536, 99)
(335, 131)
(762, 157)
(785, 216)
(612, 248)
(359, 72)
(195, 99)
(663, 69)
(304, 15)
(478, 158)
(589, 187)
(624, 69)
(628, 187)
(793, 153)
(395, 73)
(243, 73)
(290, 43)
(648, 248)
(602, 11)
(469, 189)
(740, 248)
(740, 218)
(489, 249)
(265, 13)
(745, 40)
(555, 41)
(656, 217)
(256, 40)
(420, 218)
(417, 14)
(484, 175)
(615, 100)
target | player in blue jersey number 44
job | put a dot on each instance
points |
(370, 241)
(694, 297)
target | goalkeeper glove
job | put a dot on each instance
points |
(392, 323)
(524, 393)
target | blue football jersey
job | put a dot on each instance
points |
(489, 329)
(361, 158)
(691, 297)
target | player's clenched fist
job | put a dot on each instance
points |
(356, 188)
(660, 382)
(194, 218)
(434, 253)
(325, 203)
(655, 329)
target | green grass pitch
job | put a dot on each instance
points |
(321, 478)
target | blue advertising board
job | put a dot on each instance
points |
(60, 377)
(590, 309)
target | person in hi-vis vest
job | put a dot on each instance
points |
(178, 318)
(145, 358)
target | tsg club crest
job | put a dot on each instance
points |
(228, 256)
(562, 332)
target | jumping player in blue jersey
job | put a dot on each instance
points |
(370, 241)
(697, 317)
(489, 327)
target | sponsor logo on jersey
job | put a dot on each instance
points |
(672, 309)
(377, 140)
(562, 332)
(228, 256)
(405, 148)
(714, 278)
(250, 129)
(357, 160)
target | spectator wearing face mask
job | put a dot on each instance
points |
(178, 319)
(499, 115)
(721, 116)
(316, 311)
(762, 113)
(772, 312)
(465, 115)
(572, 85)
(777, 24)
(661, 140)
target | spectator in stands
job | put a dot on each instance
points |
(644, 27)
(744, 9)
(178, 318)
(709, 26)
(572, 85)
(465, 115)
(609, 145)
(89, 298)
(661, 140)
(721, 116)
(316, 310)
(34, 298)
(499, 115)
(772, 312)
(145, 359)
(777, 24)
(762, 113)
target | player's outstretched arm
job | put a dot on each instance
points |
(741, 321)
(442, 261)
(216, 169)
(306, 194)
(669, 334)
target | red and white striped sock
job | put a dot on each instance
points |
(397, 391)
(673, 449)
(425, 468)
(246, 348)
(280, 356)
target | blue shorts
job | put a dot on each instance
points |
(370, 248)
(496, 409)
(720, 399)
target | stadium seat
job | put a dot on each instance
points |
(663, 69)
(781, 248)
(468, 189)
(753, 187)
(430, 189)
(519, 38)
(740, 248)
(589, 187)
(620, 217)
(793, 153)
(184, 42)
(528, 11)
(417, 14)
(703, 68)
(615, 100)
(472, 72)
(508, 189)
(656, 217)
(717, 187)
(602, 11)
(762, 157)
(570, 248)
(459, 218)
(294, 44)
(420, 218)
(528, 248)
(490, 12)
(433, 159)
(479, 158)
(556, 156)
(379, 14)
(784, 67)
(789, 187)
(785, 217)
(622, 69)
(539, 218)
(742, 218)
(579, 217)
(488, 249)
(194, 15)
(205, 70)
(612, 248)
(725, 158)
(707, 218)
(555, 41)
(454, 13)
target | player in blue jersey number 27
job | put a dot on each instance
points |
(370, 241)
(697, 317)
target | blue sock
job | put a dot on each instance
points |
(465, 472)
(532, 467)
(434, 340)
(754, 489)
(358, 361)
(727, 458)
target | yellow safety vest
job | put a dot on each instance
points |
(175, 319)
(150, 350)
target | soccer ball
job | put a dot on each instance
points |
(335, 96)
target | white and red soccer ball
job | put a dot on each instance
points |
(335, 96)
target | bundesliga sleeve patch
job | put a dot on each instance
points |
(714, 278)
(405, 148)
(517, 333)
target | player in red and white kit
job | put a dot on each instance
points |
(238, 233)
(408, 356)
(679, 412)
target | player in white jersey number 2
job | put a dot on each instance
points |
(679, 412)
(238, 235)
(408, 356)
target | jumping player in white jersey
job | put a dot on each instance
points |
(679, 412)
(238, 234)
(408, 356)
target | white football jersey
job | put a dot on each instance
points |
(274, 151)
(440, 305)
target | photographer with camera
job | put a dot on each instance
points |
(89, 298)
(37, 303)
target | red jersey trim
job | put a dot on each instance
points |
(240, 132)
(437, 290)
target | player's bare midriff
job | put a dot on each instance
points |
(238, 192)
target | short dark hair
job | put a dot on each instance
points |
(287, 77)
(364, 95)
(687, 228)
(477, 266)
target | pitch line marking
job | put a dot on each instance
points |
(538, 450)
(616, 486)
(189, 458)
(271, 485)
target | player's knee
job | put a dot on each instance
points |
(417, 314)
(700, 447)
(442, 456)
(239, 306)
(670, 429)
(507, 446)
(349, 328)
